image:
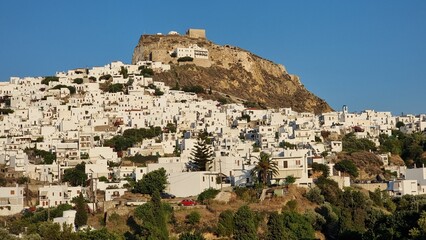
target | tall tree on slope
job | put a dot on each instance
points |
(201, 156)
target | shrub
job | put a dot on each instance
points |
(78, 81)
(222, 100)
(71, 88)
(207, 194)
(147, 72)
(116, 87)
(48, 79)
(225, 225)
(5, 111)
(105, 77)
(103, 179)
(193, 218)
(185, 59)
(314, 195)
(194, 89)
(191, 236)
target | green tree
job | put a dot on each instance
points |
(265, 168)
(318, 167)
(81, 215)
(5, 235)
(95, 234)
(244, 224)
(146, 72)
(171, 127)
(330, 190)
(390, 144)
(314, 195)
(290, 179)
(351, 143)
(78, 81)
(276, 229)
(348, 167)
(119, 143)
(191, 236)
(116, 87)
(124, 72)
(154, 219)
(49, 79)
(399, 124)
(225, 225)
(151, 182)
(201, 156)
(331, 226)
(76, 176)
(298, 225)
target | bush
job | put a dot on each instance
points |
(5, 111)
(314, 195)
(71, 88)
(185, 59)
(194, 89)
(103, 179)
(191, 236)
(48, 79)
(222, 100)
(78, 81)
(225, 225)
(193, 218)
(207, 194)
(147, 72)
(105, 77)
(116, 87)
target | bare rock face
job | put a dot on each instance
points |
(231, 71)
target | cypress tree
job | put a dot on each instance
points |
(81, 215)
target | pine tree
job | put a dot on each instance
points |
(81, 215)
(201, 156)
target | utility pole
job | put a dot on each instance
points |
(220, 173)
(48, 209)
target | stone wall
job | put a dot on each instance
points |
(196, 33)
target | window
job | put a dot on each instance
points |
(285, 164)
(12, 192)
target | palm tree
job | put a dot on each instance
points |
(265, 168)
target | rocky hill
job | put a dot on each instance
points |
(231, 71)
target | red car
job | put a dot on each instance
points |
(187, 202)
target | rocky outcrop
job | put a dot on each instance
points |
(231, 71)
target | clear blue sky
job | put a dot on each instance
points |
(365, 54)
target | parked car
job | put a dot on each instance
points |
(165, 195)
(187, 202)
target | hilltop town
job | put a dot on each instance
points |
(120, 124)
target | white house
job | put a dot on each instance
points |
(11, 200)
(399, 188)
(185, 184)
(68, 218)
(54, 195)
